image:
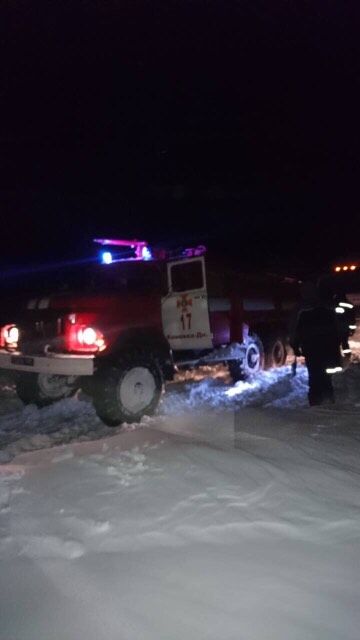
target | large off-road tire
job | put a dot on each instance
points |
(128, 390)
(252, 361)
(43, 389)
(275, 352)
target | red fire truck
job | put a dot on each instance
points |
(122, 328)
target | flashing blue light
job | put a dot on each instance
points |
(106, 257)
(146, 253)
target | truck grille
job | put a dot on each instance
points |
(37, 335)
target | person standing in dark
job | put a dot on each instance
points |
(315, 335)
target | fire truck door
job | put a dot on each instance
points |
(185, 313)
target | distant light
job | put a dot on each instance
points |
(146, 253)
(347, 305)
(106, 257)
(353, 267)
(339, 310)
(345, 268)
(352, 327)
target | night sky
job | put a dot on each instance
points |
(230, 123)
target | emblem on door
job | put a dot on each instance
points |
(184, 304)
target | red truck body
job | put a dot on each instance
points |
(176, 310)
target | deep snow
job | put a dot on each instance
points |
(233, 514)
(28, 428)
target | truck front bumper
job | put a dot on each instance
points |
(52, 364)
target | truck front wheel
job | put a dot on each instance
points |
(44, 389)
(129, 390)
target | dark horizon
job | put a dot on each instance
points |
(231, 124)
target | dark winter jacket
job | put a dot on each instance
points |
(316, 336)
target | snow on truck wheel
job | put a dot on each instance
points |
(275, 352)
(252, 360)
(43, 389)
(129, 390)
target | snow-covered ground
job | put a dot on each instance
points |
(231, 515)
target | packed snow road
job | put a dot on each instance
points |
(233, 514)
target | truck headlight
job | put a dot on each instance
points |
(84, 339)
(88, 336)
(9, 336)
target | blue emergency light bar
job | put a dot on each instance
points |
(142, 251)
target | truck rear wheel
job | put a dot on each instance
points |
(275, 352)
(128, 391)
(43, 389)
(252, 361)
